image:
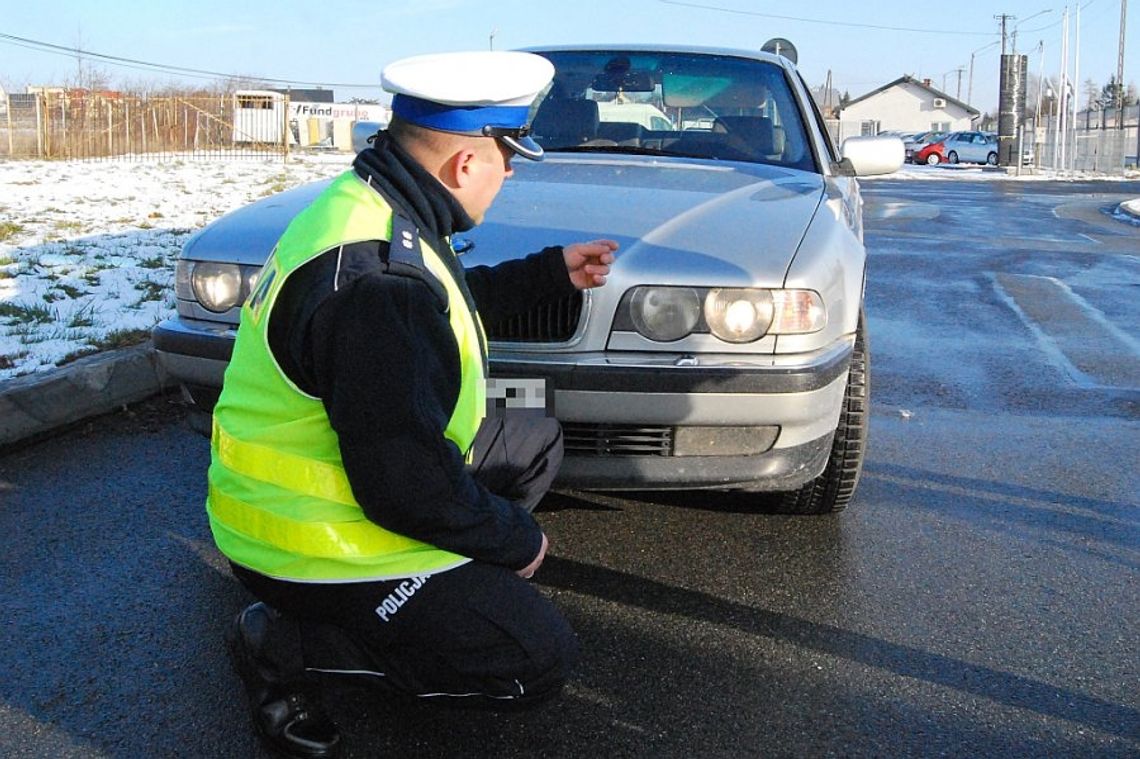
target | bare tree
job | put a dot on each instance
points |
(243, 82)
(87, 75)
(1093, 100)
(1035, 87)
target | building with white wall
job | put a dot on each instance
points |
(905, 105)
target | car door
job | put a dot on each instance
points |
(959, 144)
(968, 147)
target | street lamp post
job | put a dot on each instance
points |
(1022, 21)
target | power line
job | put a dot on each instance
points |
(120, 65)
(133, 63)
(849, 24)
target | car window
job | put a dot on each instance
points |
(709, 106)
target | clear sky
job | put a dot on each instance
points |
(347, 42)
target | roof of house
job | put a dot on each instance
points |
(917, 83)
(320, 95)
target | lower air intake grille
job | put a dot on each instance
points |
(616, 440)
(550, 323)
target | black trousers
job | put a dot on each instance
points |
(477, 635)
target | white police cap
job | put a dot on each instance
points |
(481, 93)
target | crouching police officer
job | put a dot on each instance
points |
(355, 485)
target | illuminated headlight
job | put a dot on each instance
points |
(217, 286)
(665, 313)
(734, 315)
(738, 316)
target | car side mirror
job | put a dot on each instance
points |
(362, 132)
(868, 156)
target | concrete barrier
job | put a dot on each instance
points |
(35, 404)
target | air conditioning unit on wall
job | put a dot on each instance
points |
(939, 102)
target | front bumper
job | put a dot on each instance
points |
(797, 397)
(195, 353)
(777, 469)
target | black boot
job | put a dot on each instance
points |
(287, 715)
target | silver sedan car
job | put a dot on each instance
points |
(728, 349)
(971, 147)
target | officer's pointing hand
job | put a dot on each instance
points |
(588, 263)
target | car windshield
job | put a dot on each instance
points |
(672, 104)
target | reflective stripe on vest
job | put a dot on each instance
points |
(279, 500)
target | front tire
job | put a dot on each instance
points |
(952, 157)
(831, 491)
(933, 159)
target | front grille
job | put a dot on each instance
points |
(550, 323)
(617, 439)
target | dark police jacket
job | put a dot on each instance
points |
(379, 351)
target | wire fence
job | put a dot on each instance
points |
(1093, 141)
(87, 125)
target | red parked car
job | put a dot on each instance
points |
(932, 154)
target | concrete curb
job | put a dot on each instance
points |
(39, 403)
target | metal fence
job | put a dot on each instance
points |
(86, 125)
(1094, 141)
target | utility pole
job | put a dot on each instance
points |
(958, 94)
(1003, 18)
(970, 85)
(1062, 135)
(1120, 70)
(1038, 132)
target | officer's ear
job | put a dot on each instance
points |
(460, 171)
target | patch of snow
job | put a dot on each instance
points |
(87, 248)
(978, 173)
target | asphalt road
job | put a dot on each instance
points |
(981, 597)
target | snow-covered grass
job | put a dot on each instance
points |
(87, 248)
(974, 172)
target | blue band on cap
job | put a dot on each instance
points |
(457, 118)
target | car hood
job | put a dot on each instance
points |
(678, 221)
(248, 234)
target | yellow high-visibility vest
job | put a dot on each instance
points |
(279, 501)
